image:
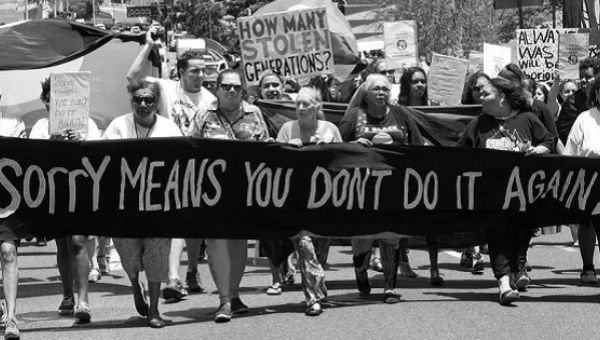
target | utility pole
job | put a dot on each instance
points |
(520, 9)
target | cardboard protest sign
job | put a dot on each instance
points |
(537, 51)
(447, 79)
(69, 102)
(400, 43)
(476, 60)
(572, 49)
(495, 57)
(297, 43)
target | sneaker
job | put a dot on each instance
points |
(223, 314)
(314, 309)
(589, 277)
(376, 264)
(192, 280)
(237, 306)
(82, 313)
(67, 306)
(478, 264)
(522, 281)
(103, 264)
(94, 275)
(174, 290)
(11, 330)
(275, 289)
(508, 297)
(466, 259)
(436, 278)
(406, 270)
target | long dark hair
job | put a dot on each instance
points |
(467, 96)
(405, 85)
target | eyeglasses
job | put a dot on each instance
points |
(149, 100)
(228, 87)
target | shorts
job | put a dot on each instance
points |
(12, 229)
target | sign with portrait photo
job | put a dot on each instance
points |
(572, 49)
(400, 45)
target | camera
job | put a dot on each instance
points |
(160, 33)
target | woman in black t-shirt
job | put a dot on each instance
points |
(373, 121)
(507, 124)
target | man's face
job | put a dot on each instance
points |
(193, 76)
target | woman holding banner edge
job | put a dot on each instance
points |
(507, 124)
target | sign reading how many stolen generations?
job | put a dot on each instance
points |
(297, 43)
(69, 102)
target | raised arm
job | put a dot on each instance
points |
(552, 101)
(136, 71)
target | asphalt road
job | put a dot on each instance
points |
(557, 306)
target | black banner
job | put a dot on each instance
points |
(228, 189)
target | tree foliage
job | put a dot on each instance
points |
(457, 26)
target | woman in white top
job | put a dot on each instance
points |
(71, 253)
(149, 254)
(307, 129)
(584, 141)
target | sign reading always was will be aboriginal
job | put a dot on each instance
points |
(69, 102)
(297, 43)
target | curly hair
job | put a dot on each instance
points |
(467, 96)
(514, 94)
(144, 84)
(405, 85)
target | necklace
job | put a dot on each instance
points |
(503, 120)
(137, 134)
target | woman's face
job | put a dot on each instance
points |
(230, 89)
(418, 84)
(271, 88)
(567, 90)
(476, 91)
(493, 102)
(306, 106)
(144, 103)
(539, 95)
(378, 93)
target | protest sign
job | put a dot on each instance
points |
(69, 102)
(176, 187)
(297, 43)
(537, 51)
(400, 43)
(476, 60)
(447, 79)
(572, 49)
(495, 57)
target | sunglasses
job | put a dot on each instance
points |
(149, 100)
(416, 81)
(228, 87)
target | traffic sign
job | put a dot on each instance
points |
(142, 11)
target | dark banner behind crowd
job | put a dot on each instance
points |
(189, 187)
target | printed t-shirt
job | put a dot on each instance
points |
(326, 132)
(397, 126)
(40, 130)
(181, 106)
(584, 139)
(249, 126)
(125, 127)
(488, 132)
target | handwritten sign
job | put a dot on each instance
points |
(495, 57)
(572, 49)
(400, 43)
(537, 51)
(297, 43)
(447, 79)
(69, 102)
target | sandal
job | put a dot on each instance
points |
(314, 309)
(390, 297)
(275, 289)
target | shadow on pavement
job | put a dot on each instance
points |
(55, 288)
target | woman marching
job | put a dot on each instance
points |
(149, 254)
(507, 124)
(308, 129)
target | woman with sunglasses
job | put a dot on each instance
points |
(232, 119)
(149, 254)
(375, 121)
(71, 254)
(308, 129)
